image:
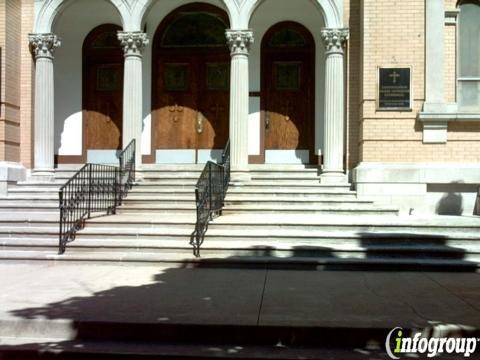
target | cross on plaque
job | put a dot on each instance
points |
(217, 108)
(175, 110)
(286, 110)
(394, 76)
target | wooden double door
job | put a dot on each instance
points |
(192, 102)
(190, 84)
(288, 90)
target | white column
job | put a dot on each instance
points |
(334, 116)
(239, 42)
(43, 47)
(133, 44)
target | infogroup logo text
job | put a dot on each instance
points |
(430, 346)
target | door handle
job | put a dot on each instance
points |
(199, 122)
(267, 121)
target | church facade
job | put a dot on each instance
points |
(384, 95)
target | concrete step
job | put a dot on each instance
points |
(342, 247)
(413, 262)
(305, 209)
(257, 237)
(31, 207)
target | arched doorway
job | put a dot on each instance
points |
(288, 94)
(190, 85)
(102, 94)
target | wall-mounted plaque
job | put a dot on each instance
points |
(394, 89)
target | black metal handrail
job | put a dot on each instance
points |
(210, 193)
(94, 189)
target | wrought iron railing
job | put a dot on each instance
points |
(93, 189)
(210, 195)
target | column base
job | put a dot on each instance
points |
(239, 177)
(139, 177)
(333, 178)
(42, 175)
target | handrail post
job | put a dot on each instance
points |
(115, 190)
(134, 168)
(89, 204)
(60, 202)
(210, 190)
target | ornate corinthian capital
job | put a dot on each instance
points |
(239, 41)
(133, 42)
(334, 39)
(43, 45)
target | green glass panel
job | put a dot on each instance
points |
(217, 76)
(195, 30)
(287, 38)
(109, 78)
(176, 77)
(287, 76)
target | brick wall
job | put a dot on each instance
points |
(16, 71)
(10, 37)
(26, 85)
(393, 34)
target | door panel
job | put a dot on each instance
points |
(176, 111)
(213, 104)
(288, 74)
(104, 106)
(103, 90)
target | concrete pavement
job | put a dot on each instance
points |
(49, 302)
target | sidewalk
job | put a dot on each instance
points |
(39, 301)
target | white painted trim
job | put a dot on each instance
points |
(287, 156)
(174, 156)
(103, 156)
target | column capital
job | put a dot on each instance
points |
(239, 41)
(334, 39)
(43, 45)
(133, 42)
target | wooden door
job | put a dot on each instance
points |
(288, 75)
(103, 90)
(191, 81)
(213, 104)
(177, 103)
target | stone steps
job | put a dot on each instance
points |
(280, 216)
